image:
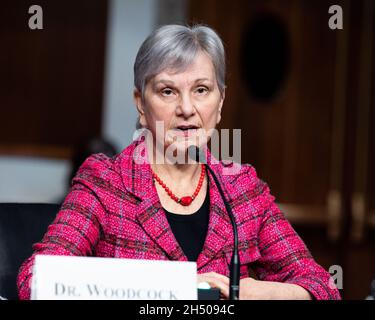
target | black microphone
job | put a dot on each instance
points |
(196, 154)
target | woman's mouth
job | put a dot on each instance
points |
(185, 130)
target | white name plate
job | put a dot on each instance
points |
(92, 278)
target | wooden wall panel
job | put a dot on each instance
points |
(287, 138)
(51, 80)
(314, 141)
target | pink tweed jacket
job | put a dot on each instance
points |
(113, 210)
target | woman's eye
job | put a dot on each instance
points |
(202, 90)
(167, 92)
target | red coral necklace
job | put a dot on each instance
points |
(187, 200)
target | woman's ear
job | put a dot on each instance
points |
(137, 95)
(220, 106)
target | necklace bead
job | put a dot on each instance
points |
(186, 200)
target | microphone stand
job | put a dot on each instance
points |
(234, 277)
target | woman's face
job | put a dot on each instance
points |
(188, 103)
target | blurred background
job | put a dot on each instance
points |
(302, 94)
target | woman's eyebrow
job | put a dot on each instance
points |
(202, 79)
(170, 82)
(163, 81)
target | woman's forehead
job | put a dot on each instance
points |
(201, 69)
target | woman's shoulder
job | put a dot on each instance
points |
(100, 163)
(233, 171)
(100, 175)
(100, 170)
(242, 180)
(97, 164)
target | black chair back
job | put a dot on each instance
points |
(21, 225)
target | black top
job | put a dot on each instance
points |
(190, 230)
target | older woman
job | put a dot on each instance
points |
(125, 208)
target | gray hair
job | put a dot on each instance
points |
(175, 47)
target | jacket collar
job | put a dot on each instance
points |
(137, 178)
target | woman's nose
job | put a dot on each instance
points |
(186, 106)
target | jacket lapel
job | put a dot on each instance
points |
(137, 178)
(151, 216)
(219, 228)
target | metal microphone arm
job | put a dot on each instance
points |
(196, 154)
(234, 278)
